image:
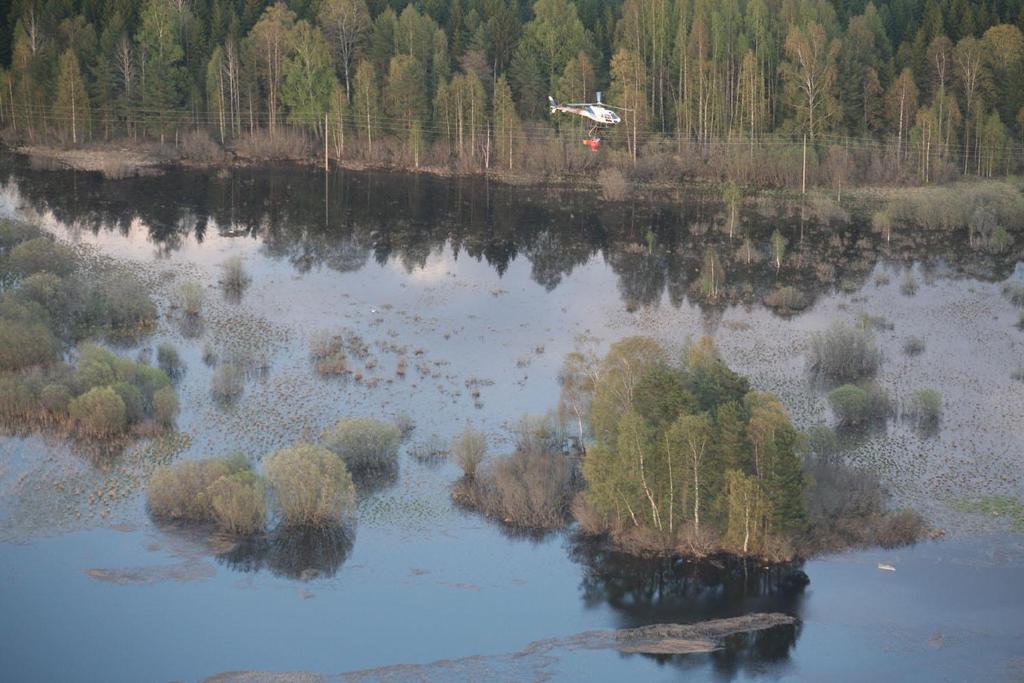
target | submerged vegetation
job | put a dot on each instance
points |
(1007, 507)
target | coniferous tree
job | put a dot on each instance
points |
(162, 75)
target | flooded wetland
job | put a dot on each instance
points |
(438, 303)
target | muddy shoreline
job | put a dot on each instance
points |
(126, 160)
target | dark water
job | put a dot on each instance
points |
(497, 284)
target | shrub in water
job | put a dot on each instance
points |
(364, 443)
(1014, 291)
(191, 295)
(469, 447)
(165, 405)
(899, 528)
(844, 353)
(99, 413)
(529, 489)
(179, 491)
(114, 301)
(909, 285)
(41, 254)
(328, 353)
(405, 425)
(926, 406)
(234, 279)
(168, 360)
(786, 299)
(228, 382)
(311, 486)
(913, 346)
(238, 502)
(854, 405)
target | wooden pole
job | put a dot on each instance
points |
(326, 133)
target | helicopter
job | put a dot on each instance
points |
(598, 112)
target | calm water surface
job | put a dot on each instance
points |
(484, 288)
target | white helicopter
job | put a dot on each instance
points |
(598, 112)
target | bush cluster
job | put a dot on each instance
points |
(181, 491)
(310, 488)
(48, 301)
(532, 488)
(46, 285)
(102, 396)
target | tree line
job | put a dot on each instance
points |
(932, 87)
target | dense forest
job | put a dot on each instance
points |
(903, 90)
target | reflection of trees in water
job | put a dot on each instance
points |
(653, 248)
(292, 553)
(643, 592)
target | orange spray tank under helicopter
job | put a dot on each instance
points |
(602, 115)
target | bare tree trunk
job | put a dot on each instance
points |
(803, 178)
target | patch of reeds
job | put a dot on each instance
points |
(844, 353)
